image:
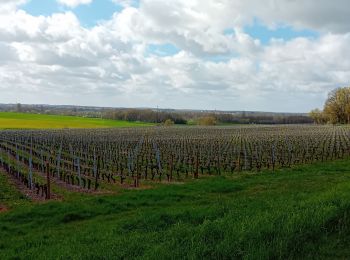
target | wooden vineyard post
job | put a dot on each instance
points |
(97, 172)
(218, 164)
(58, 163)
(138, 174)
(171, 167)
(136, 178)
(197, 166)
(48, 194)
(78, 170)
(273, 157)
(239, 154)
(1, 160)
(17, 162)
(42, 161)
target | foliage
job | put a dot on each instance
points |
(160, 115)
(318, 116)
(336, 109)
(207, 121)
(169, 122)
(261, 118)
(143, 115)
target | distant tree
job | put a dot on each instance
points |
(336, 109)
(207, 120)
(318, 116)
(169, 122)
(337, 106)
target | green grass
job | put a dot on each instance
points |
(9, 120)
(291, 213)
(9, 195)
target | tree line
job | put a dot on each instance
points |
(336, 109)
(143, 115)
(203, 118)
(164, 116)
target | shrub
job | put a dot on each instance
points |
(168, 122)
(207, 120)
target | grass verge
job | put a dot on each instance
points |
(291, 213)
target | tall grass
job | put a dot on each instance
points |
(291, 213)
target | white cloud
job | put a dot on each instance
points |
(188, 26)
(74, 3)
(125, 3)
(7, 6)
(55, 59)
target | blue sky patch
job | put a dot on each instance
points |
(88, 15)
(265, 34)
(40, 7)
(162, 50)
(220, 58)
(99, 10)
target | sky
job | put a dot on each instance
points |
(253, 55)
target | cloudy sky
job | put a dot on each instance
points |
(273, 55)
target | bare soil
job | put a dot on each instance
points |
(28, 193)
(3, 209)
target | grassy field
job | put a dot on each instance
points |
(37, 121)
(291, 213)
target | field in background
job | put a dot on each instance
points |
(37, 121)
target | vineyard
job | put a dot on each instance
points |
(97, 160)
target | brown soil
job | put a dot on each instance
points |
(3, 209)
(32, 193)
(28, 193)
(74, 188)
